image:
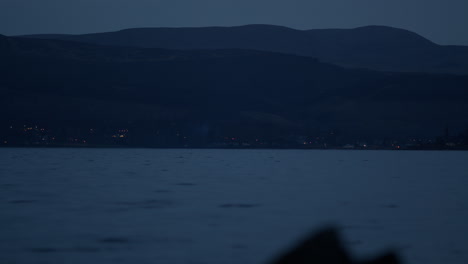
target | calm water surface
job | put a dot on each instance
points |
(227, 206)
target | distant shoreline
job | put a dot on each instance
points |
(221, 148)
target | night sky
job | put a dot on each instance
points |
(442, 21)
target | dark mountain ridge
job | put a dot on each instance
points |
(374, 47)
(239, 93)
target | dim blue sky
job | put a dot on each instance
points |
(442, 21)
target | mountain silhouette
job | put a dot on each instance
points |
(373, 47)
(242, 92)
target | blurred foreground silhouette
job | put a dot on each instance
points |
(325, 247)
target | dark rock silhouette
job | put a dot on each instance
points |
(325, 247)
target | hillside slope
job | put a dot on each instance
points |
(373, 47)
(231, 91)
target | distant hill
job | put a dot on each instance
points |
(373, 47)
(239, 92)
